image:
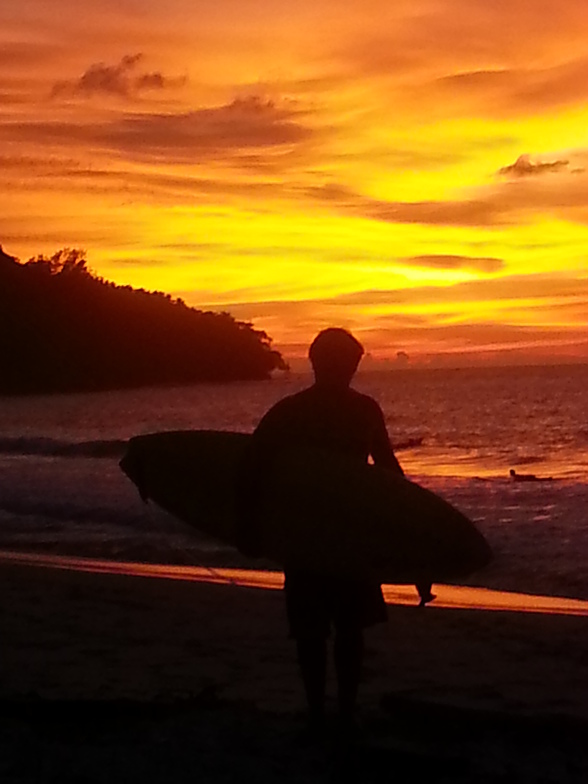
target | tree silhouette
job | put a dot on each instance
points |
(62, 328)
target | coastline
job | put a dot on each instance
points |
(199, 665)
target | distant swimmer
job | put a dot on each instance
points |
(528, 477)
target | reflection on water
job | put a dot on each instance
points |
(448, 596)
(476, 422)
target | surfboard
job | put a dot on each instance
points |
(314, 510)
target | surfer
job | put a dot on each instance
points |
(515, 477)
(331, 416)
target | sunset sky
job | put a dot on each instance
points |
(416, 170)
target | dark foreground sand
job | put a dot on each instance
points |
(113, 678)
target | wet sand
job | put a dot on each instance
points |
(109, 678)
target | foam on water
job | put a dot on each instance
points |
(52, 447)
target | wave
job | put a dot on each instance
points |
(408, 443)
(51, 447)
(47, 510)
(143, 532)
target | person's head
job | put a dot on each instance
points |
(334, 355)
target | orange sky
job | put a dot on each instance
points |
(416, 171)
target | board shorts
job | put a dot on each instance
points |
(314, 602)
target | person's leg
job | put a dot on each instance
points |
(348, 654)
(308, 617)
(424, 592)
(312, 659)
(356, 605)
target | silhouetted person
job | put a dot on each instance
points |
(331, 416)
(523, 477)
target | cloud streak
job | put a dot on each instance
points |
(510, 90)
(250, 133)
(122, 80)
(459, 212)
(450, 262)
(431, 319)
(525, 192)
(545, 287)
(243, 123)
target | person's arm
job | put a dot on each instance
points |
(381, 450)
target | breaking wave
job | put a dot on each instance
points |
(50, 447)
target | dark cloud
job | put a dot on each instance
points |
(478, 80)
(249, 133)
(463, 212)
(507, 202)
(525, 167)
(122, 80)
(565, 195)
(436, 213)
(246, 124)
(442, 261)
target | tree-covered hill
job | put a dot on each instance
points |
(64, 329)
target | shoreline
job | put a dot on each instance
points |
(447, 596)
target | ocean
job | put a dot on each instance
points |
(458, 432)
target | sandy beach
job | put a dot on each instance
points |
(125, 678)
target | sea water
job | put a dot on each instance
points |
(458, 432)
